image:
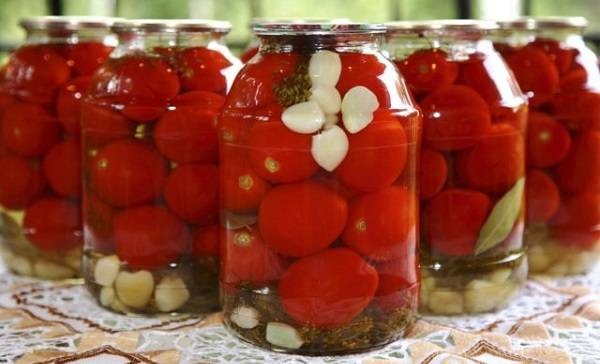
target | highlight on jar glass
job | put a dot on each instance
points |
(151, 173)
(41, 88)
(318, 141)
(472, 164)
(560, 75)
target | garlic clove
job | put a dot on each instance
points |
(171, 293)
(21, 265)
(135, 289)
(328, 97)
(119, 306)
(49, 270)
(283, 335)
(245, 317)
(324, 68)
(304, 118)
(106, 270)
(330, 147)
(107, 295)
(445, 302)
(358, 106)
(500, 275)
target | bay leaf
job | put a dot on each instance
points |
(502, 219)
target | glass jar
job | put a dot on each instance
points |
(149, 135)
(472, 164)
(319, 141)
(41, 88)
(559, 73)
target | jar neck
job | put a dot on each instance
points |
(459, 47)
(304, 43)
(146, 41)
(521, 37)
(64, 36)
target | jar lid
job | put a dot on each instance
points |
(67, 22)
(172, 25)
(547, 22)
(317, 27)
(463, 25)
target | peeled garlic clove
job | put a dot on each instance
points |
(558, 269)
(283, 335)
(304, 118)
(324, 68)
(482, 296)
(49, 270)
(107, 295)
(106, 270)
(21, 265)
(171, 293)
(119, 306)
(244, 317)
(358, 106)
(327, 97)
(329, 148)
(135, 289)
(445, 302)
(500, 275)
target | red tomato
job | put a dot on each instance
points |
(62, 166)
(578, 110)
(278, 154)
(398, 285)
(255, 84)
(199, 99)
(359, 69)
(206, 241)
(381, 225)
(561, 57)
(53, 224)
(36, 72)
(328, 289)
(574, 80)
(452, 221)
(241, 188)
(188, 135)
(495, 163)
(21, 182)
(127, 173)
(543, 197)
(302, 218)
(68, 104)
(376, 157)
(580, 171)
(149, 237)
(576, 222)
(246, 258)
(433, 173)
(248, 54)
(85, 57)
(547, 141)
(145, 86)
(97, 220)
(454, 117)
(536, 74)
(201, 68)
(29, 130)
(428, 70)
(101, 125)
(6, 101)
(191, 192)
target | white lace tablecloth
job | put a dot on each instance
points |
(553, 321)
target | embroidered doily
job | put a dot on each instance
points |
(552, 321)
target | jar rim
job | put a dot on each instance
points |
(463, 25)
(545, 22)
(172, 25)
(67, 22)
(317, 27)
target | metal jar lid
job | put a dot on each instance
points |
(460, 25)
(67, 22)
(172, 25)
(308, 27)
(548, 22)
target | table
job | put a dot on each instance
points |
(553, 321)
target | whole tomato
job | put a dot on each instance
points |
(68, 103)
(576, 222)
(201, 68)
(580, 170)
(433, 173)
(62, 166)
(328, 289)
(85, 57)
(536, 73)
(206, 241)
(428, 70)
(101, 125)
(241, 189)
(97, 223)
(543, 197)
(548, 141)
(29, 130)
(149, 237)
(53, 224)
(127, 173)
(21, 182)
